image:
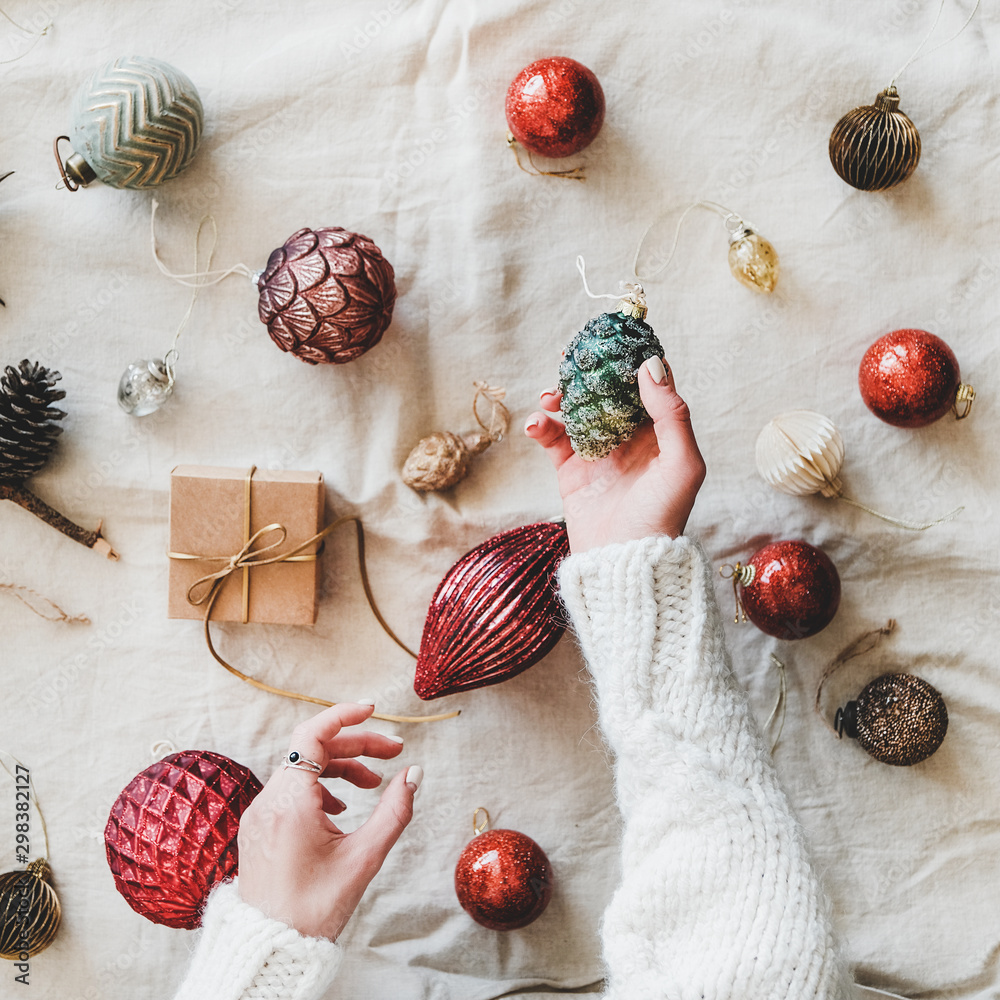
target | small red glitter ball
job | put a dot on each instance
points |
(172, 832)
(794, 591)
(503, 880)
(555, 107)
(909, 378)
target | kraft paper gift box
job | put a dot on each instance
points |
(213, 513)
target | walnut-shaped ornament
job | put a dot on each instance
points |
(441, 459)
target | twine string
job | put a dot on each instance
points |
(864, 643)
(916, 52)
(182, 279)
(899, 521)
(570, 174)
(780, 704)
(738, 574)
(499, 414)
(32, 796)
(885, 993)
(42, 606)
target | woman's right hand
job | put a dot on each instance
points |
(647, 486)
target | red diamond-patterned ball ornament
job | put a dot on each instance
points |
(789, 589)
(495, 613)
(171, 834)
(326, 295)
(909, 378)
(555, 107)
(503, 880)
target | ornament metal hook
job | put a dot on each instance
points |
(966, 394)
(69, 184)
(479, 825)
(738, 574)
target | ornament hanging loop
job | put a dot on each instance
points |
(863, 644)
(67, 182)
(479, 824)
(891, 89)
(965, 395)
(631, 297)
(572, 174)
(739, 574)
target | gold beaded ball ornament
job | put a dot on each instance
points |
(898, 719)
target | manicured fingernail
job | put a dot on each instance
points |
(656, 370)
(366, 701)
(532, 422)
(378, 774)
(395, 739)
(546, 392)
(341, 805)
(414, 775)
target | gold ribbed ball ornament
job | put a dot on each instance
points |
(876, 146)
(29, 911)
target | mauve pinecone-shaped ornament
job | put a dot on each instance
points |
(28, 431)
(326, 295)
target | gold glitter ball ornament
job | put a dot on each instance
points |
(899, 719)
(29, 911)
(876, 146)
(440, 460)
(753, 260)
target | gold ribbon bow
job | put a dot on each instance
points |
(206, 590)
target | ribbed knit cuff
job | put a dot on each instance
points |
(639, 609)
(243, 955)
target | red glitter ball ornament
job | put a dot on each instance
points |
(495, 613)
(171, 834)
(503, 880)
(555, 107)
(789, 589)
(910, 378)
(326, 295)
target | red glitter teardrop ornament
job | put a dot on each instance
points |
(910, 378)
(326, 295)
(495, 613)
(788, 589)
(503, 879)
(555, 107)
(171, 834)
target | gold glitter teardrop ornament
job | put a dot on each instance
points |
(876, 146)
(753, 260)
(441, 459)
(29, 911)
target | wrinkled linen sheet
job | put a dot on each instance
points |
(386, 117)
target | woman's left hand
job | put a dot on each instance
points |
(295, 864)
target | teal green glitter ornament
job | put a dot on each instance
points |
(137, 122)
(598, 380)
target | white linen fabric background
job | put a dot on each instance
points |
(387, 118)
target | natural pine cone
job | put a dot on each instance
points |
(28, 428)
(327, 295)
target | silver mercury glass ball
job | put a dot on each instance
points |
(144, 387)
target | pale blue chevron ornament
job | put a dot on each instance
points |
(136, 123)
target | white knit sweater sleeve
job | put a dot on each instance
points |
(243, 955)
(718, 899)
